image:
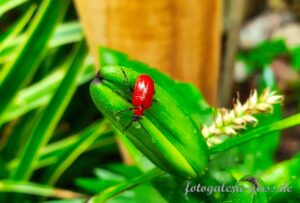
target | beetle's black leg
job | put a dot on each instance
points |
(128, 125)
(143, 127)
(129, 109)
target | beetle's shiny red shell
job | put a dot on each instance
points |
(143, 93)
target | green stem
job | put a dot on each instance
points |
(37, 189)
(256, 133)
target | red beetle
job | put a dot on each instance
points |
(142, 97)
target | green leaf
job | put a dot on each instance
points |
(3, 168)
(36, 189)
(65, 33)
(162, 140)
(40, 93)
(7, 5)
(67, 201)
(31, 52)
(114, 190)
(295, 56)
(257, 133)
(137, 195)
(114, 177)
(94, 186)
(87, 138)
(282, 172)
(128, 171)
(45, 126)
(114, 174)
(257, 157)
(290, 192)
(103, 174)
(187, 95)
(263, 54)
(7, 37)
(141, 161)
(53, 151)
(194, 103)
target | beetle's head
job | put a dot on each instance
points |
(136, 118)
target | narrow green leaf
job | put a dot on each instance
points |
(36, 189)
(41, 92)
(87, 138)
(103, 174)
(65, 33)
(7, 5)
(115, 190)
(45, 126)
(93, 185)
(3, 168)
(13, 31)
(32, 51)
(53, 151)
(282, 172)
(257, 133)
(67, 201)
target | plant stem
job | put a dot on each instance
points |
(37, 189)
(256, 133)
(237, 8)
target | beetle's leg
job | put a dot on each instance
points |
(143, 127)
(130, 89)
(129, 109)
(128, 125)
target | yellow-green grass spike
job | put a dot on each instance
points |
(172, 141)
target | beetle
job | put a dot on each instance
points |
(142, 97)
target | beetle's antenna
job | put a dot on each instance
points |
(129, 109)
(128, 125)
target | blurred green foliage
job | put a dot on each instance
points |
(53, 137)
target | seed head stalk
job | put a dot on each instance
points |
(229, 123)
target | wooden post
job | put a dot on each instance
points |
(181, 38)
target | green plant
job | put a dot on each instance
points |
(52, 136)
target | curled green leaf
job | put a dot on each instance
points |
(168, 136)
